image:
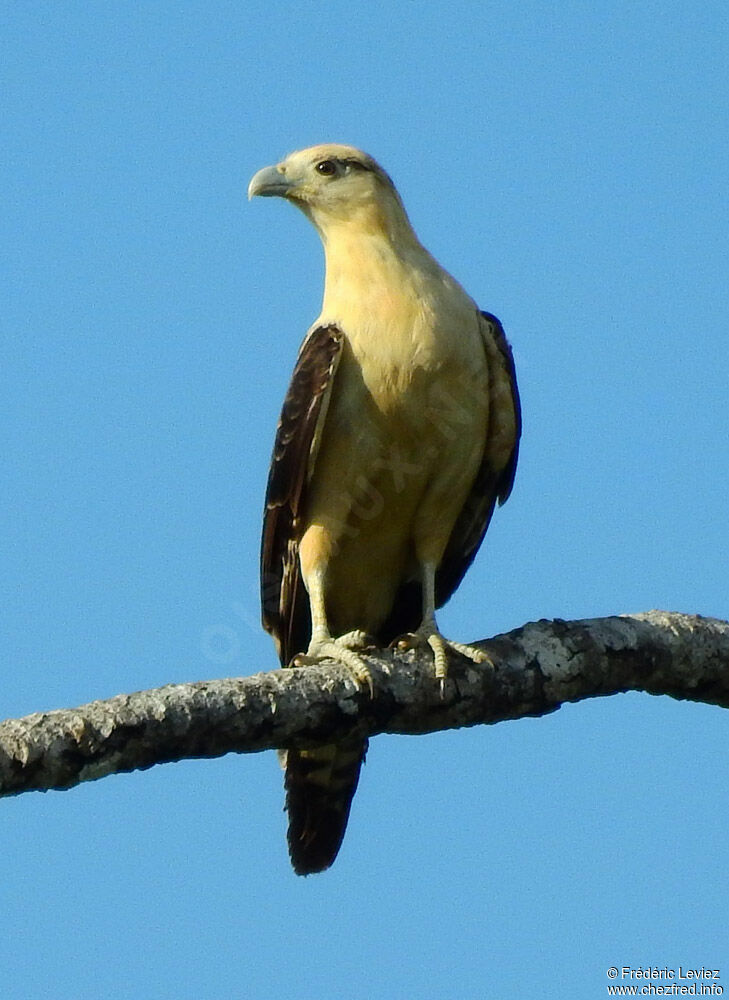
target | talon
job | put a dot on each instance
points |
(440, 657)
(336, 649)
(472, 653)
(356, 639)
(428, 632)
(409, 640)
(364, 679)
(303, 660)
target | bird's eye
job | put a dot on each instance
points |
(327, 167)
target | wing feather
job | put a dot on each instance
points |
(284, 602)
(495, 476)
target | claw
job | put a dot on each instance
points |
(342, 651)
(429, 635)
(357, 639)
(472, 653)
(408, 640)
(439, 645)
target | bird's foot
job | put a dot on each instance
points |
(355, 640)
(342, 649)
(428, 635)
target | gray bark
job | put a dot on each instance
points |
(537, 668)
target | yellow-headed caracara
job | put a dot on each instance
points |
(399, 433)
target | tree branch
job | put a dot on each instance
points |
(537, 669)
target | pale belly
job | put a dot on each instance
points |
(391, 476)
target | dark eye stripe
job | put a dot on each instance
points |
(327, 168)
(355, 164)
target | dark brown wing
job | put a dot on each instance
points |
(495, 476)
(284, 602)
(320, 782)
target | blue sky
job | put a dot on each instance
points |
(568, 164)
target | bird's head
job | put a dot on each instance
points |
(333, 185)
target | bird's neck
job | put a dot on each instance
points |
(368, 257)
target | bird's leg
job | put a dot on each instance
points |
(323, 646)
(429, 633)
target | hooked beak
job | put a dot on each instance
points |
(269, 183)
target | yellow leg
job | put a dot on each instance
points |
(430, 634)
(324, 646)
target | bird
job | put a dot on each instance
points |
(398, 435)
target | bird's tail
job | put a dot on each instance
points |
(320, 785)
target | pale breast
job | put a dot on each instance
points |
(404, 436)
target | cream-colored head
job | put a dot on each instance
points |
(335, 185)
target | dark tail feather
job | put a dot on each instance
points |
(320, 785)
